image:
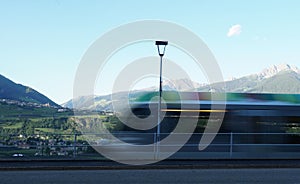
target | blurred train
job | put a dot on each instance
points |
(246, 113)
(251, 125)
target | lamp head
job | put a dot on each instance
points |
(159, 44)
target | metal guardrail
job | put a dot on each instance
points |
(225, 145)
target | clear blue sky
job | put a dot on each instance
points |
(42, 42)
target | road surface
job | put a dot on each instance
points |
(176, 176)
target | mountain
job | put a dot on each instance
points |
(180, 85)
(99, 103)
(283, 82)
(282, 78)
(103, 102)
(17, 92)
(275, 69)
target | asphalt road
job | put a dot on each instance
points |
(13, 165)
(283, 175)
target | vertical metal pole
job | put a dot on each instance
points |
(159, 108)
(74, 145)
(161, 54)
(231, 144)
(154, 146)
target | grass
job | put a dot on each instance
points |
(48, 130)
(12, 125)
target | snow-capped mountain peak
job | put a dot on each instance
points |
(275, 69)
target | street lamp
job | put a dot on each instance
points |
(161, 48)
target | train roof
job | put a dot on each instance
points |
(233, 101)
(229, 98)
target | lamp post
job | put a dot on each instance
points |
(161, 48)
